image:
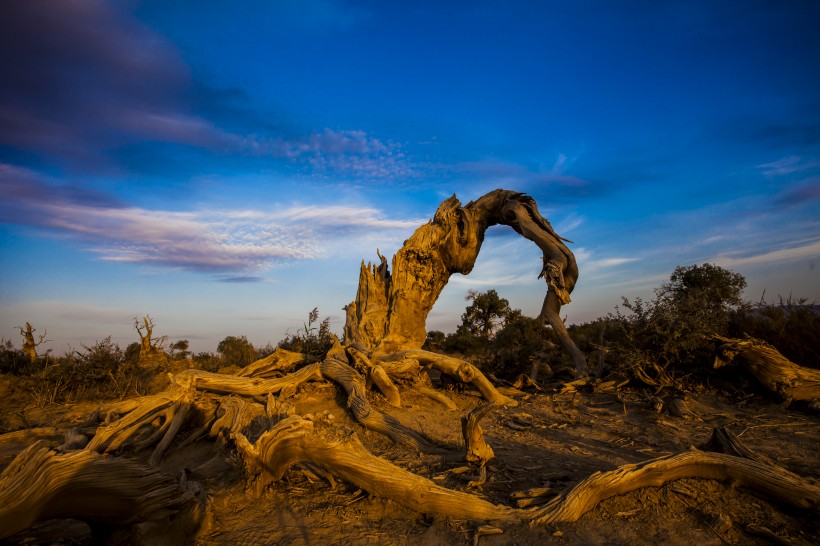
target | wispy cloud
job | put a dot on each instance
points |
(205, 240)
(244, 279)
(349, 152)
(786, 165)
(810, 250)
(84, 79)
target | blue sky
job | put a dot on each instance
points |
(225, 168)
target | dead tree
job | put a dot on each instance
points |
(391, 309)
(29, 345)
(383, 335)
(150, 347)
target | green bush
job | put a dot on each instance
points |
(520, 341)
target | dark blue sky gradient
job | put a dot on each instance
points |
(225, 168)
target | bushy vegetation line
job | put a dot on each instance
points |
(104, 370)
(658, 342)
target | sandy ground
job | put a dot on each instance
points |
(564, 438)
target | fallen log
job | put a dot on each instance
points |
(774, 371)
(41, 484)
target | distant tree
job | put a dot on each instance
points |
(29, 345)
(708, 285)
(149, 345)
(520, 345)
(179, 349)
(435, 340)
(485, 314)
(236, 351)
(132, 352)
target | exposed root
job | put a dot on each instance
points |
(154, 419)
(455, 367)
(248, 386)
(479, 453)
(377, 375)
(40, 485)
(278, 362)
(766, 480)
(353, 384)
(293, 441)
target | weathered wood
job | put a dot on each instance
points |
(455, 367)
(41, 484)
(774, 371)
(137, 428)
(353, 384)
(234, 415)
(377, 375)
(248, 386)
(768, 481)
(479, 453)
(279, 361)
(390, 310)
(294, 441)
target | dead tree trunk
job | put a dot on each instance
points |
(29, 345)
(390, 310)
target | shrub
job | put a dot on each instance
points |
(312, 340)
(236, 351)
(790, 325)
(670, 333)
(101, 370)
(520, 341)
(208, 362)
(12, 361)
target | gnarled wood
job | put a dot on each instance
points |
(41, 484)
(479, 453)
(455, 367)
(279, 361)
(390, 310)
(769, 481)
(145, 424)
(248, 386)
(353, 384)
(377, 375)
(293, 441)
(774, 371)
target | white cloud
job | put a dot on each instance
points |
(204, 240)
